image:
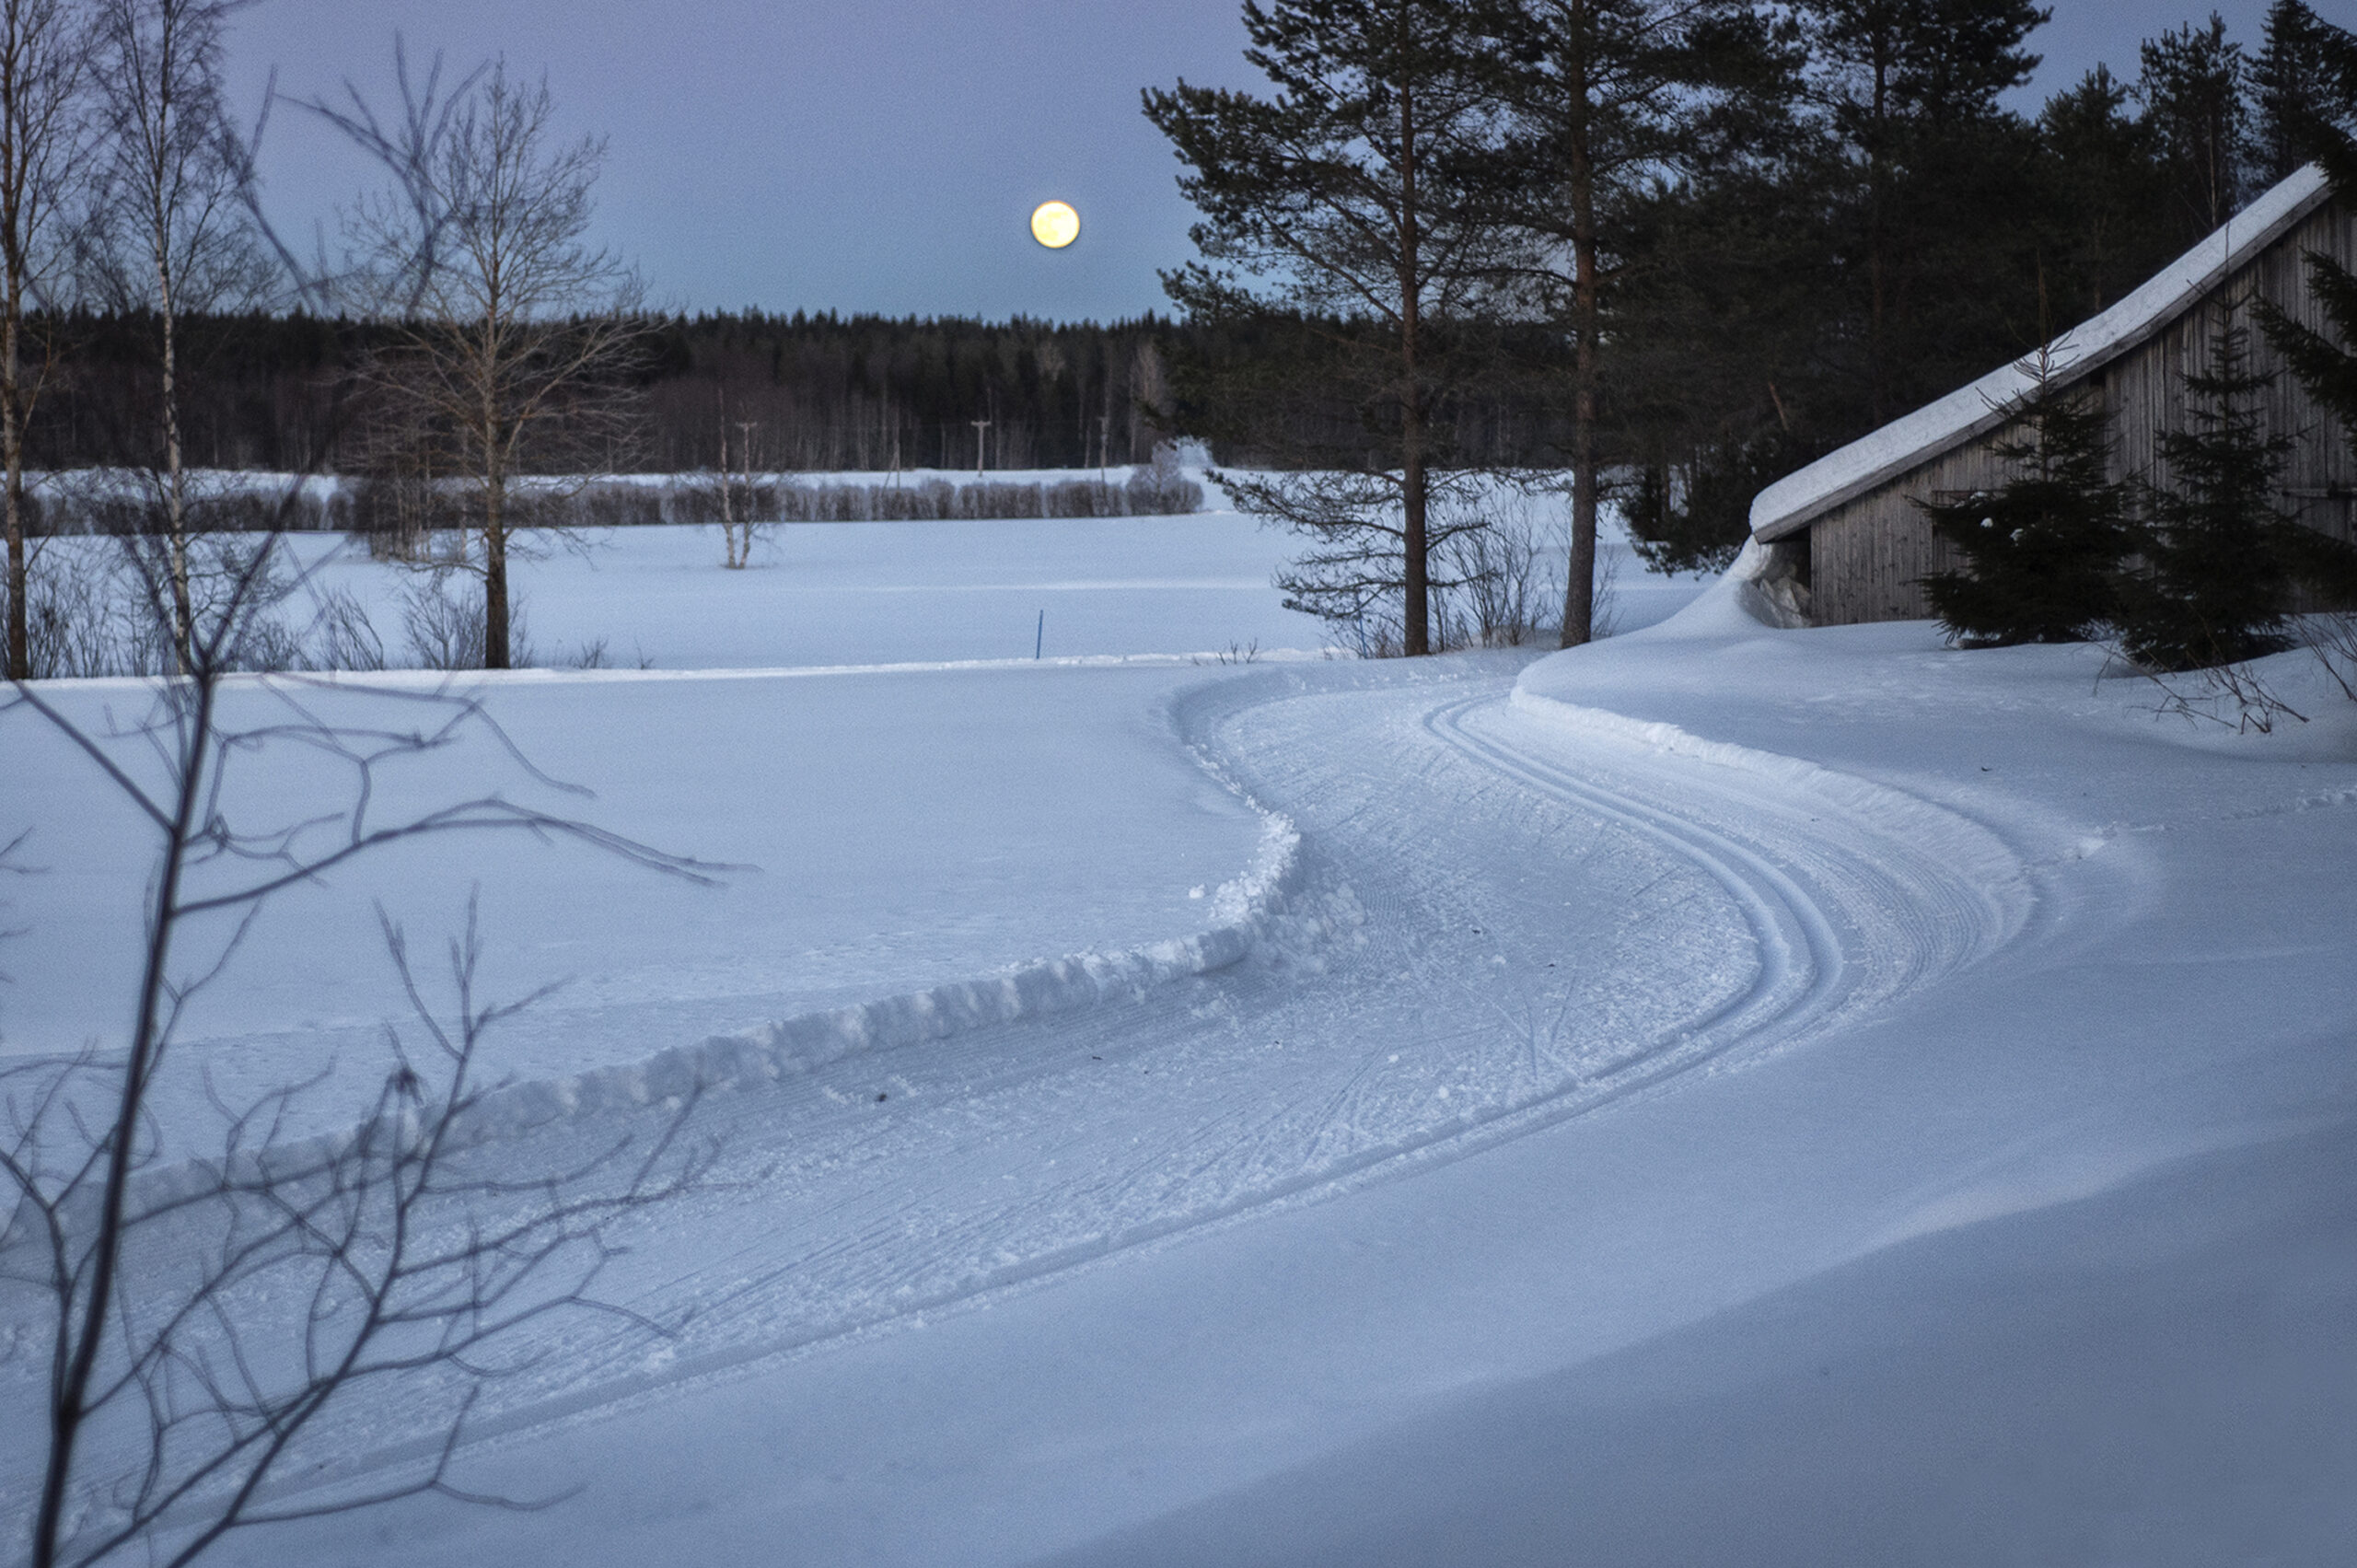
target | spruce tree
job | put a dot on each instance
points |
(1914, 91)
(2326, 364)
(2306, 73)
(2218, 551)
(2194, 88)
(2042, 551)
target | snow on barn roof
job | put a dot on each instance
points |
(1792, 503)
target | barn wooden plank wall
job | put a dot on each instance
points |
(1868, 555)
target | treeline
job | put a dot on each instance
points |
(812, 393)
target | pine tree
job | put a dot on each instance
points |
(2325, 367)
(2042, 551)
(1725, 286)
(1608, 98)
(2106, 193)
(2194, 90)
(2305, 73)
(1361, 189)
(2218, 552)
(1913, 91)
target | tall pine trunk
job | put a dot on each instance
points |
(1877, 243)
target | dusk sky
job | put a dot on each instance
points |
(882, 156)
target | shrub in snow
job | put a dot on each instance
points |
(445, 630)
(1493, 585)
(123, 502)
(2042, 551)
(1161, 488)
(1081, 498)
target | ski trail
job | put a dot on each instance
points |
(1803, 972)
(1498, 919)
(1858, 893)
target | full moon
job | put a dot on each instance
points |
(1055, 225)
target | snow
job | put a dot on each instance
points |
(840, 595)
(1787, 505)
(835, 594)
(1726, 1094)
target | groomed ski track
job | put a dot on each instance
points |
(1518, 917)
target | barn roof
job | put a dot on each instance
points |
(1793, 502)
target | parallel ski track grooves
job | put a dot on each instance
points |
(1805, 978)
(1803, 970)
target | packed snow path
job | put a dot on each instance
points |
(1496, 922)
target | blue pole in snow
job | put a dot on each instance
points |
(1039, 637)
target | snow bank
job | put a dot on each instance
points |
(749, 1058)
(1738, 603)
(1242, 910)
(1787, 505)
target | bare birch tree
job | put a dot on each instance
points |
(44, 48)
(741, 531)
(519, 336)
(168, 231)
(197, 1313)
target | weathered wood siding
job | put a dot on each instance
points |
(1867, 556)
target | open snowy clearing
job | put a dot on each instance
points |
(1721, 1095)
(831, 595)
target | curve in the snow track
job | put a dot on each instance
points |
(1853, 903)
(1802, 968)
(1853, 894)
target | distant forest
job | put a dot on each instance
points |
(819, 392)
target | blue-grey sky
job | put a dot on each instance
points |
(873, 155)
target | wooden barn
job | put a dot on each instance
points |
(1843, 540)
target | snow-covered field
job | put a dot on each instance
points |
(1723, 1096)
(830, 594)
(889, 592)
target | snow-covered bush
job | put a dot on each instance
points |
(1161, 488)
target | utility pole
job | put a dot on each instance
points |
(980, 425)
(1104, 443)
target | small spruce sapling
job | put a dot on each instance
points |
(2219, 552)
(2042, 551)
